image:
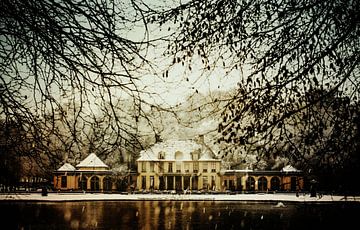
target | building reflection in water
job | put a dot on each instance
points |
(82, 215)
(175, 215)
(172, 214)
(142, 215)
(148, 215)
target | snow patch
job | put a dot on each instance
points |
(289, 168)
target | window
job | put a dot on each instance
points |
(250, 184)
(187, 167)
(82, 183)
(64, 181)
(213, 185)
(195, 156)
(293, 183)
(213, 166)
(205, 182)
(143, 167)
(107, 184)
(205, 166)
(178, 167)
(151, 182)
(231, 185)
(170, 167)
(196, 167)
(95, 183)
(143, 182)
(161, 167)
(262, 184)
(151, 166)
(238, 183)
(275, 183)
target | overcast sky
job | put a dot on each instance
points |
(181, 81)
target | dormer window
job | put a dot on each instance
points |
(195, 156)
(178, 156)
(161, 155)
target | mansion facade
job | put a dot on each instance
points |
(176, 165)
(191, 165)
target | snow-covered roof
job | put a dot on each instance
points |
(92, 161)
(237, 170)
(173, 150)
(289, 168)
(67, 167)
(206, 155)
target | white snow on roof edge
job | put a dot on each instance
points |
(67, 167)
(92, 161)
(169, 148)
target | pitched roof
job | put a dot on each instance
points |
(66, 167)
(206, 155)
(92, 161)
(175, 150)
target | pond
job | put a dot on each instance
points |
(177, 215)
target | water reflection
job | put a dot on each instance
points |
(176, 215)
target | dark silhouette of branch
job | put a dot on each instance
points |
(64, 64)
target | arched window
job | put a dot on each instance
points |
(262, 184)
(107, 184)
(275, 183)
(82, 183)
(250, 184)
(95, 183)
(178, 155)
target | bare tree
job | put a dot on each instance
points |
(68, 62)
(282, 50)
(85, 53)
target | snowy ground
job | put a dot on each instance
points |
(289, 197)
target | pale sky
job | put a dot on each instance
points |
(181, 82)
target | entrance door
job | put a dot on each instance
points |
(195, 180)
(178, 184)
(170, 183)
(186, 182)
(250, 184)
(161, 183)
(238, 184)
